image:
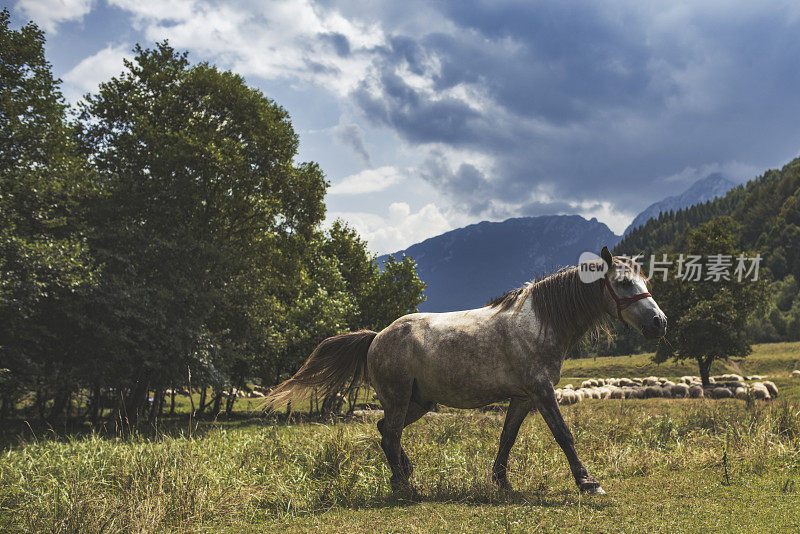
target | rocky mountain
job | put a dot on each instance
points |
(703, 190)
(466, 267)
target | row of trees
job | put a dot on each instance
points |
(163, 236)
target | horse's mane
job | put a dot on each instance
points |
(562, 302)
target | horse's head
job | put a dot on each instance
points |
(627, 297)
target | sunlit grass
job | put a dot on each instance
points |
(668, 465)
(277, 474)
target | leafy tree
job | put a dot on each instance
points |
(357, 267)
(708, 318)
(166, 236)
(396, 292)
(44, 259)
(204, 214)
(780, 318)
(380, 295)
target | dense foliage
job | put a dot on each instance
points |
(165, 238)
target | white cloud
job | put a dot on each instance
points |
(49, 13)
(400, 229)
(86, 75)
(369, 181)
(278, 39)
(607, 213)
(733, 170)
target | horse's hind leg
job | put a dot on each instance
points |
(415, 411)
(518, 409)
(391, 426)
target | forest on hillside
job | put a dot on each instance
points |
(762, 218)
(162, 236)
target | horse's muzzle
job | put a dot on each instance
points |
(656, 329)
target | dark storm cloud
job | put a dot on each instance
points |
(465, 186)
(594, 101)
(418, 118)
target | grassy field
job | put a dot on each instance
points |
(667, 465)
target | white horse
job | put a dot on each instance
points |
(512, 348)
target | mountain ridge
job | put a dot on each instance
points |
(465, 267)
(705, 189)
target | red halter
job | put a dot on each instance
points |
(623, 303)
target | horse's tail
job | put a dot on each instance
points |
(338, 363)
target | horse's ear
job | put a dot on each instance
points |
(607, 257)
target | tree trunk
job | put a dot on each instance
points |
(352, 399)
(705, 367)
(6, 407)
(94, 405)
(229, 403)
(202, 407)
(172, 402)
(217, 404)
(155, 407)
(59, 403)
(133, 406)
(161, 400)
(329, 405)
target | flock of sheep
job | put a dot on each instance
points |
(722, 387)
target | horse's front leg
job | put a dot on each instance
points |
(548, 406)
(518, 409)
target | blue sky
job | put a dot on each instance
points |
(427, 116)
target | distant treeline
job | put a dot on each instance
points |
(162, 235)
(765, 214)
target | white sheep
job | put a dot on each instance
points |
(721, 393)
(696, 391)
(796, 373)
(771, 387)
(680, 390)
(652, 392)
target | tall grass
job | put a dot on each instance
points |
(269, 473)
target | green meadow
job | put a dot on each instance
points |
(668, 466)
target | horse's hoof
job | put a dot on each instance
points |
(401, 488)
(504, 485)
(501, 481)
(592, 489)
